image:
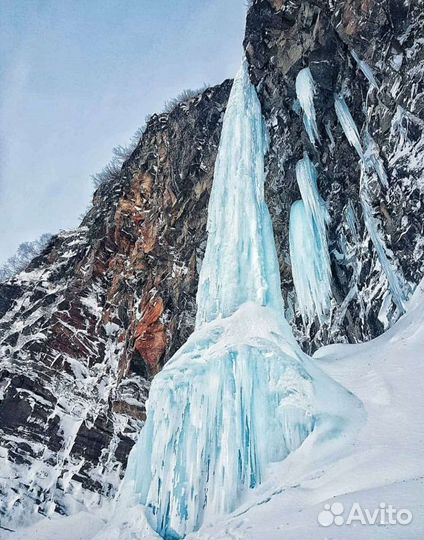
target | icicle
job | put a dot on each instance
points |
(365, 68)
(306, 176)
(352, 220)
(305, 91)
(309, 267)
(396, 290)
(309, 255)
(373, 159)
(332, 144)
(342, 309)
(240, 251)
(296, 108)
(348, 124)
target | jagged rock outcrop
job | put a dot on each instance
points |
(281, 39)
(94, 317)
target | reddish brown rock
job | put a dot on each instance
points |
(150, 334)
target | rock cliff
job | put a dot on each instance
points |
(90, 321)
(281, 39)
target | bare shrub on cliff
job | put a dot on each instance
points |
(184, 95)
(23, 256)
(112, 171)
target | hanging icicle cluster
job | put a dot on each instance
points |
(309, 217)
(309, 254)
(310, 260)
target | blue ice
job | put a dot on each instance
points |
(305, 91)
(310, 260)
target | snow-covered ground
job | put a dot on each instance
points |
(381, 466)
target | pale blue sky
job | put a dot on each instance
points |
(78, 77)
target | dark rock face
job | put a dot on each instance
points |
(95, 316)
(281, 39)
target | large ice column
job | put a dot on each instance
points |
(236, 396)
(240, 263)
(348, 124)
(305, 91)
(233, 399)
(311, 268)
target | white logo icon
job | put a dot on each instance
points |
(331, 514)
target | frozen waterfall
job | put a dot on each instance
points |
(240, 262)
(239, 394)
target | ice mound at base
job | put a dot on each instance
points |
(236, 397)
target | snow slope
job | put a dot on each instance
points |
(383, 464)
